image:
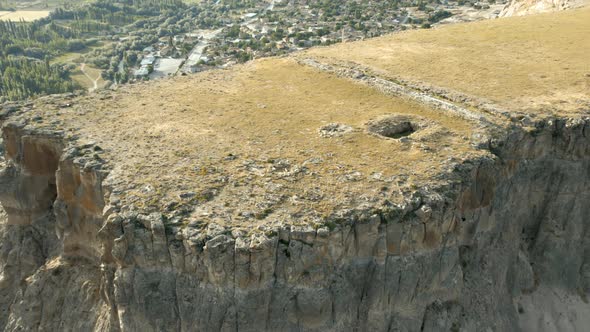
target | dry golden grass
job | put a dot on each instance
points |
(25, 15)
(527, 63)
(245, 141)
(175, 135)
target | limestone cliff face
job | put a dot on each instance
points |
(480, 253)
(528, 7)
(49, 205)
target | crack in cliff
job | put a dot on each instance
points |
(176, 306)
(274, 283)
(237, 323)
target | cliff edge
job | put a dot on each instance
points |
(430, 180)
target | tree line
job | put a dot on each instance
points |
(22, 78)
(26, 47)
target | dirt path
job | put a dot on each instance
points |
(93, 80)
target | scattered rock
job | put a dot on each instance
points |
(334, 130)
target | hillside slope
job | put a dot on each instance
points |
(533, 64)
(425, 181)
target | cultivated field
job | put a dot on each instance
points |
(23, 15)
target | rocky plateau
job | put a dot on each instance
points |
(324, 191)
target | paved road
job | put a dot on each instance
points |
(197, 52)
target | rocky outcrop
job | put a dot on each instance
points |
(528, 7)
(50, 266)
(481, 252)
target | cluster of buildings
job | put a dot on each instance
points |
(280, 27)
(167, 48)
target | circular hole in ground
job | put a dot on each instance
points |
(393, 127)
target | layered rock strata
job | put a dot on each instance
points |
(479, 253)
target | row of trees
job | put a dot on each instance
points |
(24, 52)
(36, 40)
(26, 47)
(22, 78)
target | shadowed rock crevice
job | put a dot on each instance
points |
(42, 193)
(27, 192)
(29, 179)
